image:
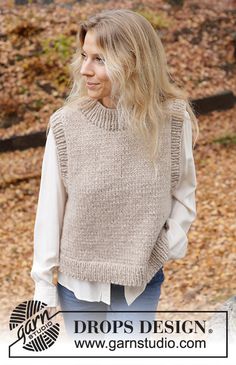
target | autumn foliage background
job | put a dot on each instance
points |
(37, 42)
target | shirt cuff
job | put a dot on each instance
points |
(46, 294)
(177, 240)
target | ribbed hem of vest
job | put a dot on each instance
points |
(116, 273)
(101, 116)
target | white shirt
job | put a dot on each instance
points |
(49, 220)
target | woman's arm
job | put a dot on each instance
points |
(48, 223)
(183, 211)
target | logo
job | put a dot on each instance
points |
(34, 326)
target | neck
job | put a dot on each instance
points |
(107, 103)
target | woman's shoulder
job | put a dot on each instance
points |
(62, 114)
(59, 113)
(70, 109)
(176, 108)
(175, 103)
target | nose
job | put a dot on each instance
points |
(86, 68)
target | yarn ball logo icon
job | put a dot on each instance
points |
(34, 326)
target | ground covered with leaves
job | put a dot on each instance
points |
(36, 46)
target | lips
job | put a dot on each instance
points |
(91, 83)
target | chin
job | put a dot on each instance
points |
(93, 92)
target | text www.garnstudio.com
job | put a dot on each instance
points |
(163, 342)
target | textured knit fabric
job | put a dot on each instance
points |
(114, 223)
(49, 218)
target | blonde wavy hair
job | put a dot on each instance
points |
(136, 64)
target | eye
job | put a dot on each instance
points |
(100, 59)
(97, 58)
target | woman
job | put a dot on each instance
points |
(117, 192)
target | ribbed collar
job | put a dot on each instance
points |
(102, 116)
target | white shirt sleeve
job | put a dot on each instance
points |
(48, 223)
(183, 201)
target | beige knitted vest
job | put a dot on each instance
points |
(114, 222)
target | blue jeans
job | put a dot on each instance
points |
(146, 301)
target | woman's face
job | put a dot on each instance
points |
(93, 69)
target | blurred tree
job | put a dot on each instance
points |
(24, 2)
(176, 2)
(21, 2)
